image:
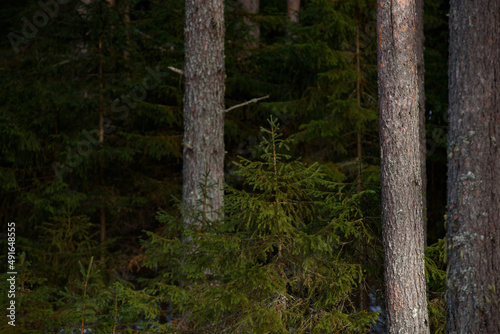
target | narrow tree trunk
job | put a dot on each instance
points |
(126, 20)
(102, 219)
(406, 302)
(293, 7)
(252, 7)
(101, 95)
(203, 110)
(358, 101)
(363, 300)
(102, 213)
(473, 237)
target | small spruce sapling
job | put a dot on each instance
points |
(278, 261)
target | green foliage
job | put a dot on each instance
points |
(294, 249)
(82, 62)
(435, 271)
(64, 241)
(278, 262)
(101, 309)
(85, 304)
(35, 301)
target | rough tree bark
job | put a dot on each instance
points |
(474, 168)
(403, 237)
(203, 155)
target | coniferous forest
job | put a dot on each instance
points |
(246, 166)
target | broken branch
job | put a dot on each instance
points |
(257, 99)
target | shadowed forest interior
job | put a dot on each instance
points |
(91, 169)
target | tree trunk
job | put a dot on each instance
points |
(102, 213)
(204, 73)
(421, 110)
(406, 302)
(292, 12)
(363, 298)
(359, 144)
(474, 168)
(252, 7)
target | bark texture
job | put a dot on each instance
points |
(474, 168)
(403, 237)
(204, 73)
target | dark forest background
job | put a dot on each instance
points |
(97, 217)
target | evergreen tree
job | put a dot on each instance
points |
(91, 122)
(83, 64)
(281, 261)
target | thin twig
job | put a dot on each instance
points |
(176, 70)
(248, 102)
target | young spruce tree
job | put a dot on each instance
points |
(279, 262)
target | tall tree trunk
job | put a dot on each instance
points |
(126, 20)
(363, 300)
(474, 168)
(359, 145)
(203, 164)
(292, 12)
(403, 237)
(421, 109)
(102, 209)
(252, 7)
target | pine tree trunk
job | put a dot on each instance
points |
(252, 7)
(474, 168)
(102, 213)
(406, 303)
(359, 146)
(293, 7)
(203, 109)
(363, 298)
